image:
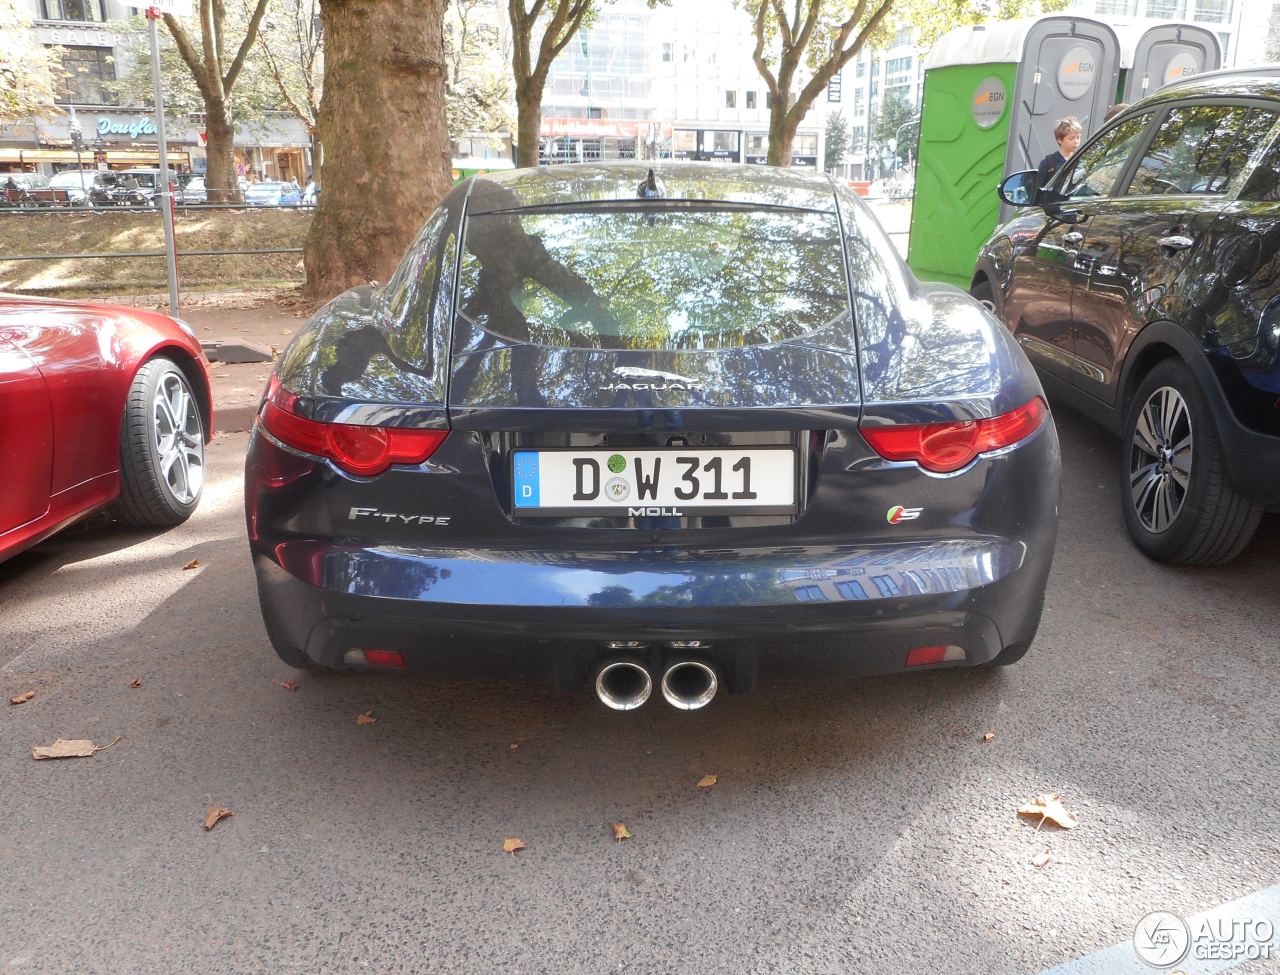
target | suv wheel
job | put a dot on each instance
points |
(1178, 503)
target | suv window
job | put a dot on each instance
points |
(1200, 149)
(1264, 183)
(1093, 172)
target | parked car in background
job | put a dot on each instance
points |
(1145, 286)
(272, 193)
(78, 184)
(192, 189)
(100, 406)
(30, 190)
(644, 430)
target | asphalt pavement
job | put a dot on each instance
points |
(858, 826)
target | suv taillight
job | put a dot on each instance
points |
(361, 450)
(949, 446)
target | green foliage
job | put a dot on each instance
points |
(838, 141)
(255, 92)
(290, 52)
(28, 70)
(893, 111)
(933, 18)
(477, 86)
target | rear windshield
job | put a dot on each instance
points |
(653, 278)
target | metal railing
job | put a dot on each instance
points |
(180, 254)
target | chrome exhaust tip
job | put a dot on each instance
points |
(689, 685)
(623, 685)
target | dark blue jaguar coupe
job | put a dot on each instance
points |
(657, 432)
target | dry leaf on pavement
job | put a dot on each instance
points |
(136, 684)
(366, 718)
(79, 748)
(1041, 859)
(288, 685)
(22, 698)
(511, 844)
(990, 735)
(214, 815)
(1048, 805)
(620, 831)
(707, 781)
(193, 564)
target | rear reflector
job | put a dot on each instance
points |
(361, 450)
(946, 447)
(384, 658)
(934, 655)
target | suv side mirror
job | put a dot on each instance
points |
(1020, 189)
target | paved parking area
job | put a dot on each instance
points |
(860, 826)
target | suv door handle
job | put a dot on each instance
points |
(1075, 236)
(1175, 242)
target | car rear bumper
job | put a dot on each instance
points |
(841, 611)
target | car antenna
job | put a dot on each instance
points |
(650, 187)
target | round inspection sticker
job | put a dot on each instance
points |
(1075, 73)
(988, 102)
(617, 489)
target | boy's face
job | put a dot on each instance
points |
(1069, 144)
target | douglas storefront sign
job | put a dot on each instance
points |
(132, 128)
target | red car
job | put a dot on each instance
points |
(100, 405)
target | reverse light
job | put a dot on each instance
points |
(360, 450)
(950, 445)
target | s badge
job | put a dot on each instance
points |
(898, 514)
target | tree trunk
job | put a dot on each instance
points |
(528, 124)
(220, 133)
(317, 155)
(386, 142)
(782, 131)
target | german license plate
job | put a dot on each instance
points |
(664, 483)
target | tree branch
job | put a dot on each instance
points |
(187, 51)
(250, 36)
(758, 55)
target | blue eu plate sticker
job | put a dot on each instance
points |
(525, 490)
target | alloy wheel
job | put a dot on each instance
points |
(179, 438)
(1160, 459)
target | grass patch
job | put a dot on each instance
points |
(103, 231)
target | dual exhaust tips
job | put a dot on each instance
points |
(688, 685)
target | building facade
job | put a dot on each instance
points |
(89, 126)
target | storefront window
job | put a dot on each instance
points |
(720, 141)
(87, 71)
(78, 10)
(1166, 8)
(685, 140)
(804, 145)
(757, 144)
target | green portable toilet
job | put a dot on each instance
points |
(992, 95)
(1155, 55)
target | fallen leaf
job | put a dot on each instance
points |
(214, 815)
(1048, 805)
(136, 684)
(620, 831)
(79, 748)
(515, 745)
(989, 736)
(511, 844)
(1041, 859)
(288, 685)
(193, 564)
(707, 781)
(366, 718)
(22, 698)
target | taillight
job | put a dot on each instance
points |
(361, 450)
(949, 446)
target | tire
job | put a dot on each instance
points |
(1178, 503)
(984, 293)
(161, 448)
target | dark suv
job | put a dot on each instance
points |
(1144, 283)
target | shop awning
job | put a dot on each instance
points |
(114, 156)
